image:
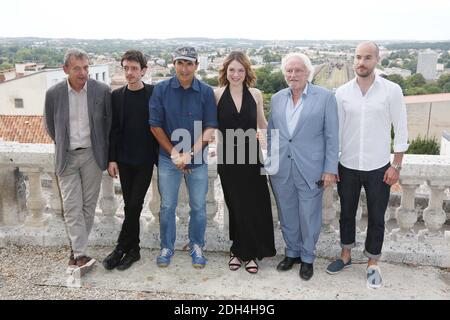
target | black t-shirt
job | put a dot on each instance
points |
(135, 147)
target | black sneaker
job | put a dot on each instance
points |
(113, 259)
(130, 257)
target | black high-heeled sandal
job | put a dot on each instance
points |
(251, 269)
(232, 264)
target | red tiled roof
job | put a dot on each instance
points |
(425, 98)
(23, 129)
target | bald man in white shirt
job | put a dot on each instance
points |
(367, 106)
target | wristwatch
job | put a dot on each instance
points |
(397, 166)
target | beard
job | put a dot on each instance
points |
(363, 72)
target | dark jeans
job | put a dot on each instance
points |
(135, 181)
(377, 194)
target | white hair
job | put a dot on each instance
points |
(302, 58)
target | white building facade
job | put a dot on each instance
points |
(426, 64)
(26, 95)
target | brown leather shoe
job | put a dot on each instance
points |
(72, 264)
(85, 264)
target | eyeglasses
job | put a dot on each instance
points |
(133, 69)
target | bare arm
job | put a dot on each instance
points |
(260, 117)
(392, 175)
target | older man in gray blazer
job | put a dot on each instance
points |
(78, 119)
(305, 150)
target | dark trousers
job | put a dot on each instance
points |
(377, 194)
(135, 181)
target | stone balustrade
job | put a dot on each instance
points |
(413, 234)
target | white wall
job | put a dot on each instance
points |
(31, 89)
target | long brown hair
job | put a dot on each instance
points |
(242, 58)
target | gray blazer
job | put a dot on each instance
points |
(314, 144)
(56, 118)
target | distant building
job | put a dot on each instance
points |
(404, 73)
(202, 63)
(25, 95)
(257, 59)
(426, 64)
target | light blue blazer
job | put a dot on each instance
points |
(314, 144)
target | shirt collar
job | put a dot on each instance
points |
(71, 89)
(195, 84)
(377, 79)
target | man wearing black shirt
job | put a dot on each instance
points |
(133, 152)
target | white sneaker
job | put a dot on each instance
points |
(374, 280)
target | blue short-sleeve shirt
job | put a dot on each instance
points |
(172, 107)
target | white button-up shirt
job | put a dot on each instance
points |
(80, 132)
(365, 124)
(293, 112)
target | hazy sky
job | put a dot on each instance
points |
(253, 19)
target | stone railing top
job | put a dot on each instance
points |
(13, 154)
(426, 167)
(421, 167)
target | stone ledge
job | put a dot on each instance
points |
(412, 252)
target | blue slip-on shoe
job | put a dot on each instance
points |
(374, 280)
(338, 265)
(198, 259)
(163, 259)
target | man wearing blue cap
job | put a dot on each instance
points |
(183, 116)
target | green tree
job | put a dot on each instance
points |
(410, 64)
(398, 79)
(5, 65)
(446, 87)
(432, 88)
(385, 62)
(443, 80)
(213, 82)
(416, 80)
(415, 91)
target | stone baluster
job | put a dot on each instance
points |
(406, 214)
(155, 201)
(12, 206)
(35, 201)
(328, 211)
(108, 201)
(433, 215)
(211, 204)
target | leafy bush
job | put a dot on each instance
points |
(423, 146)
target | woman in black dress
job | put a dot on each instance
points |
(245, 188)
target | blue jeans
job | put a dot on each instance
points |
(169, 179)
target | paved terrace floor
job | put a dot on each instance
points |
(38, 273)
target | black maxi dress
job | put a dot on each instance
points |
(245, 190)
